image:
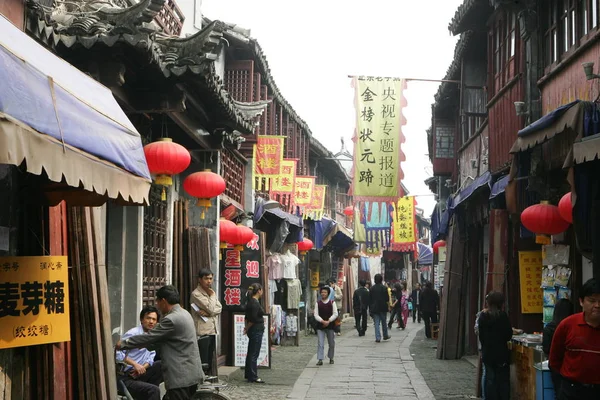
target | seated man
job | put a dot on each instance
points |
(142, 375)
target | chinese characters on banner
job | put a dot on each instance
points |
(530, 278)
(266, 159)
(315, 209)
(282, 186)
(377, 152)
(305, 186)
(404, 221)
(240, 343)
(240, 270)
(34, 301)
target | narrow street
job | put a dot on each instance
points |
(404, 367)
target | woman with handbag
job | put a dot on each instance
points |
(325, 314)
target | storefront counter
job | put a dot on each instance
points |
(529, 373)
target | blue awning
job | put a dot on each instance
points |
(337, 237)
(425, 254)
(499, 186)
(464, 194)
(56, 118)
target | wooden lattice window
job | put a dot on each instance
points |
(233, 171)
(171, 18)
(239, 80)
(155, 246)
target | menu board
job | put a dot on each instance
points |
(530, 274)
(240, 343)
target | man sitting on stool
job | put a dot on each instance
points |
(142, 375)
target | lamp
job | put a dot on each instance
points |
(588, 68)
(520, 108)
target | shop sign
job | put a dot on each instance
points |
(530, 278)
(34, 301)
(240, 270)
(240, 343)
(314, 275)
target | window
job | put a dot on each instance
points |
(504, 44)
(444, 141)
(551, 34)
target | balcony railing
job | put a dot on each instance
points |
(171, 18)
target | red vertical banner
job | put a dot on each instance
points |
(267, 158)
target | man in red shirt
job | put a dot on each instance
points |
(575, 350)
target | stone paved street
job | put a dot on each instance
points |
(404, 367)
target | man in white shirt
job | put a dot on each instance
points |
(141, 375)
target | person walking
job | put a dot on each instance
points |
(396, 308)
(575, 349)
(404, 295)
(562, 309)
(254, 329)
(378, 308)
(414, 299)
(495, 331)
(360, 304)
(175, 337)
(206, 308)
(325, 314)
(430, 303)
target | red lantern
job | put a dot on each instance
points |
(437, 245)
(305, 245)
(226, 230)
(543, 219)
(241, 236)
(204, 185)
(166, 159)
(349, 211)
(565, 208)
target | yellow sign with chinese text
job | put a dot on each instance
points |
(404, 220)
(530, 278)
(317, 203)
(305, 186)
(284, 182)
(34, 301)
(267, 155)
(377, 152)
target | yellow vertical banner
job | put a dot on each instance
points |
(530, 279)
(317, 203)
(404, 221)
(304, 191)
(267, 155)
(377, 151)
(34, 301)
(284, 182)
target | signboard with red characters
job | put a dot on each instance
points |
(240, 269)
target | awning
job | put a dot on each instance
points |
(587, 149)
(565, 118)
(425, 254)
(339, 238)
(464, 194)
(499, 186)
(55, 118)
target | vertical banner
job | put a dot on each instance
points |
(267, 156)
(317, 203)
(530, 279)
(34, 301)
(305, 186)
(282, 186)
(240, 343)
(404, 221)
(240, 270)
(377, 154)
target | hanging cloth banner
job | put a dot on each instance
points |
(267, 156)
(282, 186)
(405, 232)
(305, 186)
(377, 154)
(315, 210)
(376, 218)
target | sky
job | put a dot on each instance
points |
(313, 45)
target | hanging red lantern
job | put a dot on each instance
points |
(226, 230)
(204, 185)
(165, 159)
(565, 208)
(349, 211)
(305, 245)
(437, 245)
(543, 219)
(241, 236)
